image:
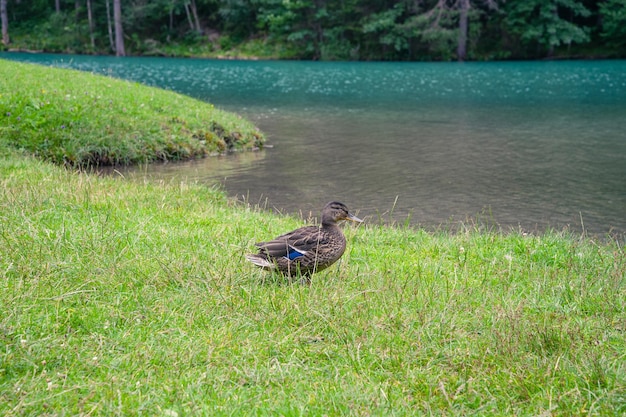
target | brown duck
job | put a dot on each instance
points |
(308, 249)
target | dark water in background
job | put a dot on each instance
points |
(516, 144)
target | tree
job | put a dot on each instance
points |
(322, 29)
(464, 13)
(110, 26)
(192, 15)
(4, 18)
(119, 32)
(91, 26)
(613, 15)
(293, 23)
(443, 26)
(434, 25)
(239, 17)
(384, 30)
(461, 49)
(546, 23)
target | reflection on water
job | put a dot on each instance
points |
(197, 170)
(443, 169)
(518, 144)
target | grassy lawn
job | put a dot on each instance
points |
(79, 119)
(128, 298)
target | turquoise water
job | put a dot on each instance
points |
(515, 144)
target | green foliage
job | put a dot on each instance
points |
(389, 34)
(337, 48)
(437, 32)
(330, 29)
(59, 33)
(542, 22)
(613, 14)
(127, 298)
(239, 17)
(79, 119)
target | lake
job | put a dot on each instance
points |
(530, 145)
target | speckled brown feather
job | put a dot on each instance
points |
(316, 247)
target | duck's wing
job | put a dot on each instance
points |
(294, 244)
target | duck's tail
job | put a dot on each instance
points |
(260, 261)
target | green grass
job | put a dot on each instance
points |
(124, 298)
(80, 119)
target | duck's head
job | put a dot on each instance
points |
(336, 211)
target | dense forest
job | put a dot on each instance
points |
(405, 30)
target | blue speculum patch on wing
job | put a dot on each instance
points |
(294, 254)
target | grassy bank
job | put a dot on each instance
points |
(118, 298)
(80, 119)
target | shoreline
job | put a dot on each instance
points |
(79, 119)
(227, 57)
(117, 296)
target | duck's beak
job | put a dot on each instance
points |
(353, 218)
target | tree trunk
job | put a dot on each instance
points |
(194, 12)
(188, 13)
(171, 27)
(4, 17)
(110, 26)
(90, 20)
(119, 32)
(461, 51)
(57, 6)
(555, 13)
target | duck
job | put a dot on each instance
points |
(308, 249)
